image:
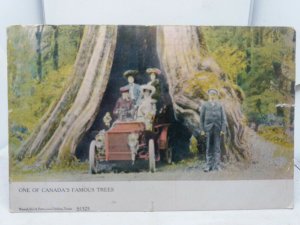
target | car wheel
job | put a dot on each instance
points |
(169, 155)
(92, 158)
(151, 150)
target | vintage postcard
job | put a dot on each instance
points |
(150, 118)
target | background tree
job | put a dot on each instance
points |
(260, 61)
(248, 66)
(60, 129)
(32, 76)
(190, 71)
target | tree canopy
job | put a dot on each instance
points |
(260, 60)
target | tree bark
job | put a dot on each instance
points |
(55, 55)
(39, 35)
(182, 54)
(62, 127)
(180, 51)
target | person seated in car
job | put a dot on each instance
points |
(134, 89)
(154, 81)
(147, 108)
(124, 108)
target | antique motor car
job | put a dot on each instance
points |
(130, 141)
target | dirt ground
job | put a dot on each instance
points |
(269, 161)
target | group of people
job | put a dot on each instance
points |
(138, 102)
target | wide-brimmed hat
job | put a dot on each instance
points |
(213, 91)
(148, 87)
(153, 70)
(124, 89)
(132, 73)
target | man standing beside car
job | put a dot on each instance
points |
(213, 124)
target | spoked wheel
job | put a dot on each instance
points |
(92, 158)
(151, 150)
(169, 151)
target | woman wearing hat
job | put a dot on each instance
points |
(147, 109)
(134, 89)
(153, 72)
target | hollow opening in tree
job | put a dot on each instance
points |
(136, 49)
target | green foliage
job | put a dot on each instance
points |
(260, 61)
(226, 45)
(40, 60)
(264, 103)
(68, 39)
(44, 94)
(27, 172)
(201, 83)
(276, 135)
(70, 165)
(59, 46)
(193, 146)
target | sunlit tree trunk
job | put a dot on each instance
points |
(183, 54)
(62, 127)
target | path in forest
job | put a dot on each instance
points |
(265, 164)
(264, 155)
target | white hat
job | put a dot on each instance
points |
(148, 87)
(153, 70)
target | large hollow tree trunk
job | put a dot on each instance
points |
(61, 129)
(183, 55)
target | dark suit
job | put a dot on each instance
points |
(212, 122)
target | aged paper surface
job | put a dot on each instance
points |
(151, 115)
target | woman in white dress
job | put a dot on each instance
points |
(147, 108)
